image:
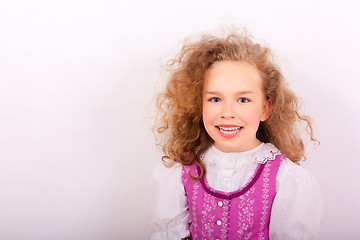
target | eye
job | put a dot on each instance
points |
(214, 99)
(243, 100)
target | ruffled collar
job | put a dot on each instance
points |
(238, 160)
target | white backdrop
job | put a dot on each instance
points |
(76, 81)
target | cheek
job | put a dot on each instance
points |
(209, 117)
(205, 116)
(208, 114)
(252, 117)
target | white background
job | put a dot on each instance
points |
(76, 82)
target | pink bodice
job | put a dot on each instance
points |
(242, 214)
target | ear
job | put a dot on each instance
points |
(266, 110)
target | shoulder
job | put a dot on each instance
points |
(165, 176)
(160, 168)
(291, 170)
(296, 179)
(289, 173)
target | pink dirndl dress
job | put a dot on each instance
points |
(242, 214)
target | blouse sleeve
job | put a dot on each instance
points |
(170, 215)
(296, 210)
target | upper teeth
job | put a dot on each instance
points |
(229, 129)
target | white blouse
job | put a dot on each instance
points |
(296, 208)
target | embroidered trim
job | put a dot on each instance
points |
(237, 193)
(246, 214)
(194, 224)
(265, 200)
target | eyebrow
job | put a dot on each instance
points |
(237, 93)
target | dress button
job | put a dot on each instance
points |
(220, 203)
(218, 222)
(226, 180)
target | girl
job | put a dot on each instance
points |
(229, 125)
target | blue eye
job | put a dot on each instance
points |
(214, 99)
(243, 100)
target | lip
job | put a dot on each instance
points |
(228, 130)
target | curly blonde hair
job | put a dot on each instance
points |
(180, 104)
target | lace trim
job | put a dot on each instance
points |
(237, 169)
(267, 152)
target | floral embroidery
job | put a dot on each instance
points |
(225, 220)
(208, 216)
(246, 212)
(265, 199)
(194, 223)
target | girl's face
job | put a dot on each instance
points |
(233, 105)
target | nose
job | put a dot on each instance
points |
(228, 111)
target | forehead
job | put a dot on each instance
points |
(232, 76)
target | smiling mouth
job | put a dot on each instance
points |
(229, 130)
